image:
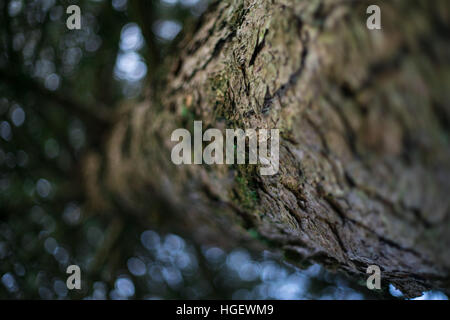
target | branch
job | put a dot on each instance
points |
(97, 115)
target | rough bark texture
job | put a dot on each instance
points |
(364, 152)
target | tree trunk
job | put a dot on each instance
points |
(364, 151)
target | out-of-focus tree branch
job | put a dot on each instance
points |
(98, 114)
(144, 12)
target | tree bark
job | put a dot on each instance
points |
(364, 152)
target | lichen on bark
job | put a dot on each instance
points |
(364, 151)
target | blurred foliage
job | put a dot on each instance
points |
(51, 81)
